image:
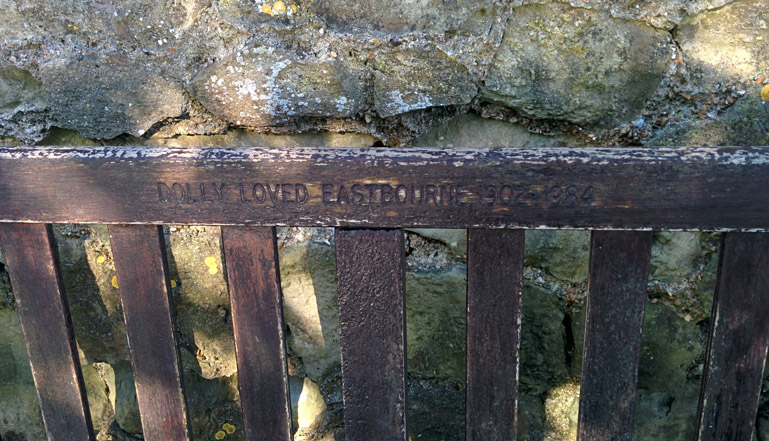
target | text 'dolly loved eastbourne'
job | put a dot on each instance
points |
(372, 194)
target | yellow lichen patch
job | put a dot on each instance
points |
(211, 264)
(114, 282)
(74, 28)
(229, 428)
(293, 9)
(267, 9)
(173, 284)
(765, 93)
(220, 434)
(279, 7)
(100, 259)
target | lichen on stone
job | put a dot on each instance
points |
(577, 65)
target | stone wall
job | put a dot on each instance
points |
(396, 73)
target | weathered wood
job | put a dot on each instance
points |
(32, 263)
(145, 292)
(619, 270)
(494, 272)
(737, 345)
(638, 188)
(712, 189)
(370, 271)
(257, 319)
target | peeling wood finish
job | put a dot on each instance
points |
(145, 293)
(731, 155)
(712, 189)
(257, 320)
(619, 272)
(739, 337)
(371, 281)
(32, 262)
(494, 273)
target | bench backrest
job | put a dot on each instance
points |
(369, 194)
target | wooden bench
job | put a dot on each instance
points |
(369, 194)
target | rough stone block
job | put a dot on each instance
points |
(454, 239)
(406, 80)
(582, 66)
(104, 96)
(22, 108)
(307, 405)
(728, 44)
(673, 254)
(563, 253)
(469, 130)
(310, 306)
(664, 14)
(435, 323)
(264, 86)
(250, 14)
(397, 16)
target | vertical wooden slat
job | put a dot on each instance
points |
(370, 271)
(145, 292)
(494, 272)
(257, 319)
(739, 336)
(32, 262)
(619, 270)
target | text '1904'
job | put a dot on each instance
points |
(429, 195)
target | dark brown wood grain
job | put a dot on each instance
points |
(145, 292)
(32, 263)
(627, 188)
(619, 270)
(257, 319)
(494, 271)
(370, 272)
(738, 340)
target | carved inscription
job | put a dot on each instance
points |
(273, 193)
(386, 194)
(426, 195)
(545, 196)
(247, 193)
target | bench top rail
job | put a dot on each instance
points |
(707, 189)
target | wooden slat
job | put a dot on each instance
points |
(739, 336)
(32, 262)
(628, 188)
(494, 271)
(370, 271)
(145, 293)
(257, 319)
(619, 270)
